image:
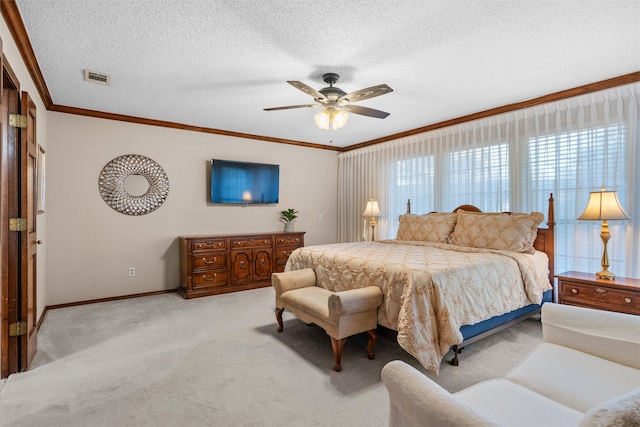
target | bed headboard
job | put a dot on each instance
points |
(544, 241)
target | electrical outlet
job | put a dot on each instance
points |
(132, 271)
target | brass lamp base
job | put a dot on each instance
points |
(605, 274)
(373, 229)
(605, 235)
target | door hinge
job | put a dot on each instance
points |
(17, 329)
(17, 121)
(17, 224)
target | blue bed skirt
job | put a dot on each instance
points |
(470, 331)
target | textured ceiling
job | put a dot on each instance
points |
(217, 64)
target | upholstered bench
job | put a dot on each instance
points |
(340, 314)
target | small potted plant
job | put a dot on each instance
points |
(287, 217)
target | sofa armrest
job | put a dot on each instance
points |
(605, 334)
(295, 279)
(354, 301)
(415, 400)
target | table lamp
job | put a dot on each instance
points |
(603, 206)
(372, 210)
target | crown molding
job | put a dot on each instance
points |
(556, 96)
(182, 126)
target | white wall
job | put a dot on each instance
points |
(91, 246)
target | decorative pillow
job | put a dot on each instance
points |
(507, 232)
(433, 227)
(620, 411)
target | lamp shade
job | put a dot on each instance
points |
(372, 209)
(331, 118)
(603, 205)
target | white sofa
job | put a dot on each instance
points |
(585, 373)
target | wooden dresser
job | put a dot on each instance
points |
(585, 290)
(216, 264)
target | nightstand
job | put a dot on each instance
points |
(585, 290)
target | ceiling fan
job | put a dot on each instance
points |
(337, 102)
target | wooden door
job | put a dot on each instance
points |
(4, 234)
(11, 209)
(262, 265)
(18, 238)
(29, 238)
(241, 266)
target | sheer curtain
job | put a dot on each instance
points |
(511, 162)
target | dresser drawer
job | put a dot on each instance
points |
(617, 299)
(295, 240)
(208, 244)
(251, 242)
(211, 260)
(282, 255)
(211, 278)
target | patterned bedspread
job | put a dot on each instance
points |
(430, 289)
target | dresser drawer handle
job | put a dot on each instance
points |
(211, 279)
(204, 260)
(627, 300)
(242, 264)
(261, 262)
(574, 291)
(601, 291)
(285, 253)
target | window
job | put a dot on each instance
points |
(413, 179)
(512, 161)
(480, 177)
(571, 165)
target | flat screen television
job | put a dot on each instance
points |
(244, 183)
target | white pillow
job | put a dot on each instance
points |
(621, 411)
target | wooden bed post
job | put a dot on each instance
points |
(550, 246)
(550, 215)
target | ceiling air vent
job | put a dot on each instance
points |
(95, 77)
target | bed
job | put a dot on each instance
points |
(448, 279)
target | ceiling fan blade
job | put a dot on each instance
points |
(289, 107)
(366, 93)
(309, 91)
(364, 111)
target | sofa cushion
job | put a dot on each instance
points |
(621, 411)
(614, 337)
(573, 378)
(312, 300)
(513, 405)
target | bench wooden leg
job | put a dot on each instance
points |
(279, 318)
(337, 346)
(372, 343)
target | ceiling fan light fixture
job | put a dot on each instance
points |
(331, 118)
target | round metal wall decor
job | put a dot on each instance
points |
(112, 189)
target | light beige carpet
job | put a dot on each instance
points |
(217, 361)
